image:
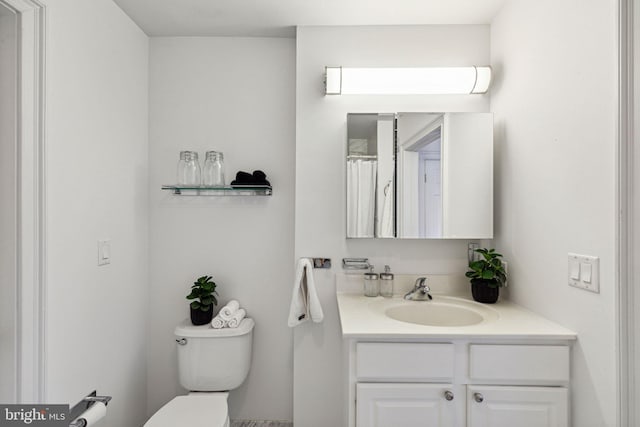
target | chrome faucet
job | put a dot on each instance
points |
(420, 291)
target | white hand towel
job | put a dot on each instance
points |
(237, 317)
(228, 310)
(304, 300)
(218, 323)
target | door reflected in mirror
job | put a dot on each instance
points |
(420, 175)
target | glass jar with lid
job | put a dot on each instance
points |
(182, 165)
(371, 284)
(386, 282)
(213, 173)
(192, 171)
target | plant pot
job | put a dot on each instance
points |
(484, 293)
(199, 317)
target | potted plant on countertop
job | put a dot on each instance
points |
(203, 292)
(487, 276)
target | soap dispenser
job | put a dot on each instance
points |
(371, 284)
(386, 282)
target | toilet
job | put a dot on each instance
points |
(211, 362)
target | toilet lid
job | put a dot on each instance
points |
(207, 410)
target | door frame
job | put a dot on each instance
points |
(31, 251)
(626, 226)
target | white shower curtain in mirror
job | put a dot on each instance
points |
(361, 197)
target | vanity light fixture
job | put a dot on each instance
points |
(407, 81)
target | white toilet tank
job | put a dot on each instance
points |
(213, 359)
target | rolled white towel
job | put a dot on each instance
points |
(218, 323)
(228, 310)
(237, 317)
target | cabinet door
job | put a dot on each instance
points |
(404, 405)
(502, 406)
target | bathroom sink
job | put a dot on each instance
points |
(441, 311)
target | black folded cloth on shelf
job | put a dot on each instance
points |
(243, 177)
(260, 178)
(247, 179)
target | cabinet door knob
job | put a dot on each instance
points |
(478, 397)
(448, 394)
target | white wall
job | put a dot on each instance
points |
(554, 100)
(234, 95)
(320, 181)
(8, 224)
(96, 179)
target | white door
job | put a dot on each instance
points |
(431, 211)
(8, 204)
(404, 405)
(502, 406)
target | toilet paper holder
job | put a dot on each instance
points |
(82, 406)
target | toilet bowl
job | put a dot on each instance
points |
(210, 363)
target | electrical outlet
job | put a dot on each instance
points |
(505, 264)
(471, 251)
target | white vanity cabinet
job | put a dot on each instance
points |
(459, 383)
(387, 405)
(506, 406)
(405, 384)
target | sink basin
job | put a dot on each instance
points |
(442, 311)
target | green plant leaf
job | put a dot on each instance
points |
(195, 305)
(489, 269)
(488, 275)
(203, 289)
(477, 265)
(205, 308)
(502, 278)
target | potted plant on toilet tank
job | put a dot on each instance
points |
(203, 293)
(487, 276)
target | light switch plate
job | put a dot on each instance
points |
(584, 272)
(104, 252)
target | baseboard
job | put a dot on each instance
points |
(260, 423)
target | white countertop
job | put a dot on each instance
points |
(364, 317)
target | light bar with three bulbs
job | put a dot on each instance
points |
(407, 81)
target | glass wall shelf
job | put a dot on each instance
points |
(236, 190)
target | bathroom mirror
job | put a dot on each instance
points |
(420, 175)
